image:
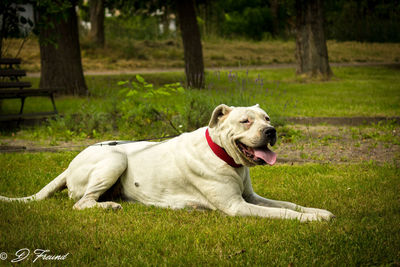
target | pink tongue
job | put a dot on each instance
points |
(267, 155)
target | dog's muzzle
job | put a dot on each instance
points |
(261, 155)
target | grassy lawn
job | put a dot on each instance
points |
(354, 91)
(364, 197)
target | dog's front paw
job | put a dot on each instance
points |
(308, 217)
(326, 215)
(110, 205)
(322, 215)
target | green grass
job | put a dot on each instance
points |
(354, 91)
(364, 197)
(369, 91)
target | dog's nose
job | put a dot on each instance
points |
(270, 135)
(270, 132)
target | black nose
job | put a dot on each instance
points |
(270, 132)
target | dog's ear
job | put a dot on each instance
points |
(219, 113)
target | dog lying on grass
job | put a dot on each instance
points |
(207, 168)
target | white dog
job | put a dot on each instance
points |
(207, 168)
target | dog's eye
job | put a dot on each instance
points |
(267, 118)
(245, 121)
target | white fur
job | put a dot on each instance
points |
(178, 173)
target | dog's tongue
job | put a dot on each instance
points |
(265, 154)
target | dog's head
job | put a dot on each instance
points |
(244, 133)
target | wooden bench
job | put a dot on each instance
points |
(12, 88)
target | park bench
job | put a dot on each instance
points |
(12, 88)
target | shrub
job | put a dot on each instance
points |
(143, 105)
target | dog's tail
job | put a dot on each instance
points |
(54, 186)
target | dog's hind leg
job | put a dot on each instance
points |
(104, 175)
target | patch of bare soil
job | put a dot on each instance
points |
(341, 144)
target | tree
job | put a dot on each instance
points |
(311, 49)
(60, 54)
(193, 53)
(96, 10)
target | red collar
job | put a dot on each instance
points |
(220, 152)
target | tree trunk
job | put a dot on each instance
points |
(275, 17)
(166, 21)
(2, 32)
(193, 54)
(311, 50)
(96, 33)
(60, 54)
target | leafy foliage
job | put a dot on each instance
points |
(360, 20)
(136, 27)
(12, 20)
(364, 21)
(252, 21)
(50, 10)
(143, 103)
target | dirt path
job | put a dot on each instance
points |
(271, 66)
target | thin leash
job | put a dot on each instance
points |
(115, 143)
